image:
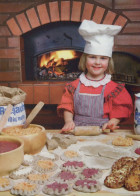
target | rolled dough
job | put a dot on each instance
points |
(93, 150)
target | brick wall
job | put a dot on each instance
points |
(19, 16)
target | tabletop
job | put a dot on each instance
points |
(76, 193)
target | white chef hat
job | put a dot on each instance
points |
(99, 37)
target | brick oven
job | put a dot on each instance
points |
(23, 25)
(53, 56)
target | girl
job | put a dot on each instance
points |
(93, 99)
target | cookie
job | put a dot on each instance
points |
(70, 155)
(5, 184)
(25, 188)
(38, 178)
(90, 173)
(136, 170)
(65, 176)
(21, 172)
(132, 182)
(121, 141)
(73, 166)
(121, 162)
(28, 160)
(114, 181)
(124, 170)
(86, 185)
(45, 165)
(47, 155)
(138, 161)
(57, 188)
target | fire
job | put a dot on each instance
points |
(57, 58)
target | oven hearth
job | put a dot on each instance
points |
(58, 65)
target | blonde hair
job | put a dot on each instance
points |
(82, 64)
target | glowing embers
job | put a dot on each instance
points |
(62, 64)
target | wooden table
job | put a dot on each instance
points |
(75, 193)
(72, 194)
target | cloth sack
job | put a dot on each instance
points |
(15, 97)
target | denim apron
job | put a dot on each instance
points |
(89, 108)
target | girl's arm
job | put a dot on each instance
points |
(111, 124)
(69, 123)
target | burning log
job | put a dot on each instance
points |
(52, 67)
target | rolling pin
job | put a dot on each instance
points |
(135, 137)
(88, 130)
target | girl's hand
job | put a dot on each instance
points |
(112, 124)
(68, 126)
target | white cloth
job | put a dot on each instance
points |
(94, 84)
(99, 37)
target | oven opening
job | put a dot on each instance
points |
(60, 65)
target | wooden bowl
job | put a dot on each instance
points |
(12, 159)
(34, 137)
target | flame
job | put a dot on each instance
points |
(57, 57)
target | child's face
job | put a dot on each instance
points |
(96, 64)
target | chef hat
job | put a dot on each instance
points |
(99, 37)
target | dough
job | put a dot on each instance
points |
(93, 150)
(60, 140)
(113, 154)
(99, 162)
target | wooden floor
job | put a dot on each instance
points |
(48, 118)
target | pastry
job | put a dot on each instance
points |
(121, 162)
(124, 171)
(45, 165)
(65, 176)
(121, 141)
(138, 161)
(120, 170)
(25, 188)
(132, 182)
(114, 181)
(21, 172)
(86, 185)
(70, 155)
(73, 166)
(57, 188)
(5, 184)
(38, 178)
(136, 170)
(90, 173)
(28, 160)
(47, 155)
